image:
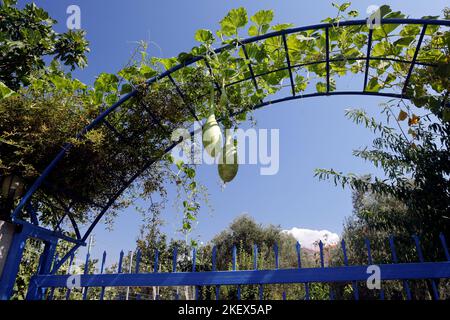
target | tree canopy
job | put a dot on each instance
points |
(27, 38)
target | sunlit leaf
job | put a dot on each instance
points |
(321, 87)
(204, 35)
(373, 85)
(5, 92)
(253, 31)
(235, 19)
(262, 17)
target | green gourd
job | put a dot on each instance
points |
(228, 166)
(212, 136)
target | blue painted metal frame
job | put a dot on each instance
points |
(431, 270)
(47, 235)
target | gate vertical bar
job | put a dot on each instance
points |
(174, 268)
(395, 260)
(52, 290)
(322, 265)
(444, 246)
(119, 270)
(299, 263)
(12, 264)
(45, 264)
(255, 267)
(421, 259)
(86, 270)
(137, 269)
(354, 283)
(234, 269)
(370, 261)
(194, 260)
(214, 268)
(69, 269)
(102, 291)
(155, 270)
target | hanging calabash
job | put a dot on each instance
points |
(228, 165)
(212, 136)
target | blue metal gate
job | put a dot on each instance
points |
(42, 286)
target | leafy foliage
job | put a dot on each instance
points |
(27, 37)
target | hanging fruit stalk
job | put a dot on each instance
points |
(212, 135)
(228, 164)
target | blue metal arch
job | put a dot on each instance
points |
(80, 240)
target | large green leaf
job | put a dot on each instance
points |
(262, 17)
(106, 82)
(253, 31)
(373, 85)
(321, 87)
(404, 41)
(410, 30)
(384, 30)
(205, 36)
(235, 19)
(166, 62)
(5, 92)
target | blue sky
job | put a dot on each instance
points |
(313, 132)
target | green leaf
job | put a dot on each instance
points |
(380, 49)
(389, 78)
(385, 10)
(253, 31)
(300, 83)
(147, 71)
(9, 3)
(128, 73)
(106, 82)
(342, 7)
(410, 30)
(262, 17)
(183, 57)
(373, 85)
(235, 19)
(166, 62)
(282, 26)
(321, 87)
(205, 36)
(353, 13)
(126, 88)
(383, 31)
(5, 92)
(404, 42)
